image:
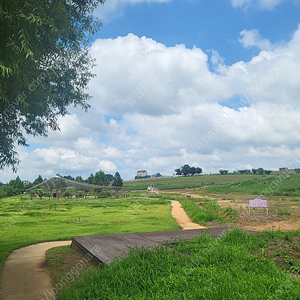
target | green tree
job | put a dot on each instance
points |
(44, 66)
(38, 180)
(19, 184)
(244, 171)
(91, 179)
(98, 179)
(67, 194)
(178, 171)
(117, 180)
(198, 170)
(79, 179)
(223, 172)
(69, 177)
(261, 171)
(186, 169)
(109, 177)
(104, 180)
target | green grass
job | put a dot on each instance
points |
(25, 222)
(203, 268)
(186, 182)
(283, 212)
(277, 185)
(208, 211)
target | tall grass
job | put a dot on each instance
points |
(203, 215)
(209, 212)
(203, 268)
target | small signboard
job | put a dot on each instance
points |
(257, 202)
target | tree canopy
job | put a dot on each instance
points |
(186, 169)
(44, 66)
(117, 180)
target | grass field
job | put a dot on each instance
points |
(204, 268)
(285, 184)
(185, 182)
(234, 267)
(25, 222)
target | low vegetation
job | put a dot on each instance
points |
(203, 268)
(183, 182)
(208, 211)
(285, 184)
(235, 266)
(25, 221)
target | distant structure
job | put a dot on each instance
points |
(283, 169)
(57, 185)
(142, 174)
(152, 190)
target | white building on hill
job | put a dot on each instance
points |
(141, 173)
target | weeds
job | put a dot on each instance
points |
(210, 211)
(283, 212)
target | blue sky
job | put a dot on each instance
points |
(213, 84)
(205, 24)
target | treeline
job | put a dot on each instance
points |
(259, 171)
(17, 186)
(100, 178)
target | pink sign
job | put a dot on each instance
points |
(257, 202)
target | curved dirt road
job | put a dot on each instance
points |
(182, 218)
(24, 275)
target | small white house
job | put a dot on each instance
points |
(142, 173)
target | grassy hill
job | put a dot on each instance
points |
(285, 184)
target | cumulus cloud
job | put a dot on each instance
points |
(252, 38)
(140, 74)
(157, 108)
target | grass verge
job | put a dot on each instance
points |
(209, 211)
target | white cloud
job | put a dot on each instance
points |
(261, 4)
(107, 166)
(252, 38)
(158, 107)
(240, 3)
(115, 8)
(140, 74)
(269, 4)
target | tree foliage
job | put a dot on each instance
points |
(99, 179)
(186, 169)
(223, 172)
(38, 180)
(246, 171)
(117, 180)
(44, 66)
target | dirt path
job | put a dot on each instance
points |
(182, 218)
(24, 275)
(275, 225)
